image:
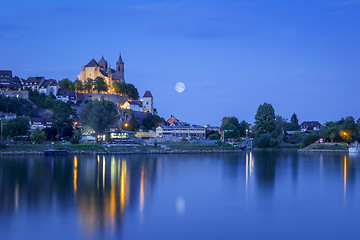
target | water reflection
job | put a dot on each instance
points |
(102, 190)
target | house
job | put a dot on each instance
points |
(45, 87)
(15, 94)
(211, 130)
(310, 126)
(7, 116)
(6, 80)
(54, 88)
(133, 105)
(172, 119)
(39, 122)
(33, 83)
(62, 94)
(181, 132)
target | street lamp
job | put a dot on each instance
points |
(126, 125)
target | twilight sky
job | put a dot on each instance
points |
(300, 56)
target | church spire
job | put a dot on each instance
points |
(120, 59)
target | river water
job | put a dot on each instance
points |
(249, 195)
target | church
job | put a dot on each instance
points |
(101, 69)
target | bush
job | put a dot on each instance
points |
(214, 136)
(264, 140)
(74, 140)
(38, 135)
(309, 139)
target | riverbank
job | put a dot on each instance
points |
(94, 149)
(326, 147)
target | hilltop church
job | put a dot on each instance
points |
(101, 69)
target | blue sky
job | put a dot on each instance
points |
(300, 56)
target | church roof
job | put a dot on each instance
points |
(103, 62)
(148, 94)
(120, 59)
(92, 63)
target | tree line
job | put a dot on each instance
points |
(99, 85)
(270, 130)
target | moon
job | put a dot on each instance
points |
(180, 87)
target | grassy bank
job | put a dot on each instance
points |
(104, 148)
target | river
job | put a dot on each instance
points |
(249, 195)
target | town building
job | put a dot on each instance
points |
(133, 105)
(15, 94)
(39, 122)
(41, 85)
(310, 126)
(7, 116)
(181, 132)
(148, 102)
(101, 69)
(6, 80)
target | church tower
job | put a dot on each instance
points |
(120, 67)
(103, 63)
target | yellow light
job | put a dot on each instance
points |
(126, 124)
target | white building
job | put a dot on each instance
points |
(41, 85)
(148, 102)
(133, 105)
(181, 132)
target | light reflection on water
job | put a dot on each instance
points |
(180, 196)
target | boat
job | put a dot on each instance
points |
(355, 148)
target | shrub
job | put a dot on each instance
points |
(309, 139)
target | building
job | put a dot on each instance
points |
(133, 105)
(172, 119)
(7, 116)
(33, 83)
(181, 132)
(310, 126)
(6, 80)
(15, 94)
(39, 122)
(101, 69)
(148, 102)
(45, 87)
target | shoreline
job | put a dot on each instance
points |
(124, 153)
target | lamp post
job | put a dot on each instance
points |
(126, 126)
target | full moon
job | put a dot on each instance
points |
(180, 87)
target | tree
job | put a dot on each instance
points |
(88, 85)
(16, 127)
(231, 124)
(38, 136)
(282, 123)
(131, 91)
(120, 88)
(62, 115)
(65, 83)
(126, 89)
(265, 119)
(349, 130)
(151, 121)
(294, 123)
(72, 86)
(15, 105)
(100, 85)
(243, 128)
(51, 133)
(79, 86)
(99, 115)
